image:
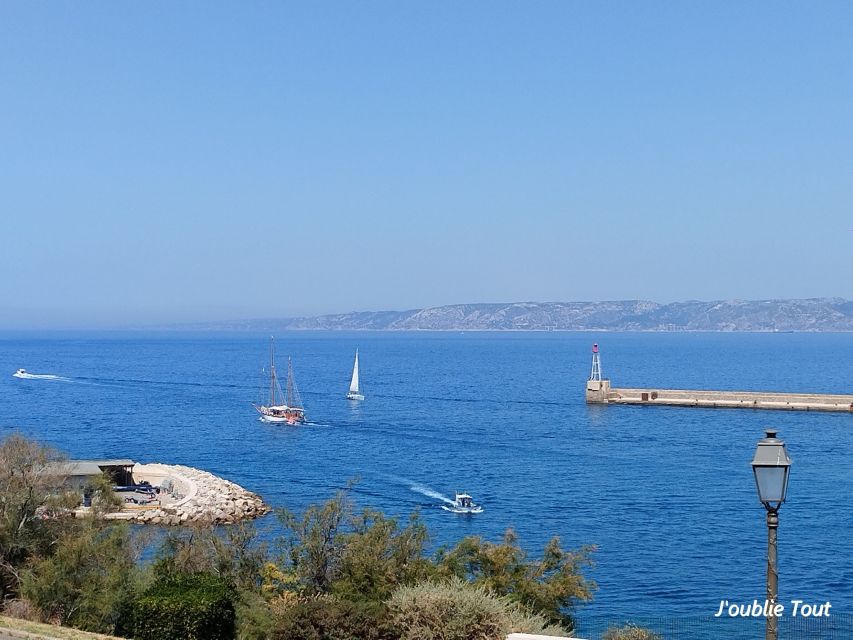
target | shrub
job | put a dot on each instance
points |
(22, 609)
(232, 554)
(330, 618)
(550, 586)
(362, 556)
(629, 632)
(457, 610)
(27, 491)
(87, 581)
(189, 607)
(254, 617)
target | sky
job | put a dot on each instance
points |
(202, 161)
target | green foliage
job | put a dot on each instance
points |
(314, 543)
(457, 610)
(255, 618)
(189, 607)
(361, 556)
(343, 576)
(377, 557)
(331, 618)
(550, 586)
(629, 632)
(87, 581)
(27, 492)
(104, 499)
(232, 554)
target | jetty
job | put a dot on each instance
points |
(599, 391)
(165, 494)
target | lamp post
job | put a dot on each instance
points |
(771, 466)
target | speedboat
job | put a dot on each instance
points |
(463, 504)
(20, 373)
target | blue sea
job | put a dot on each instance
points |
(665, 494)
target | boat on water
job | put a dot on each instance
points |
(354, 392)
(282, 407)
(463, 504)
(21, 373)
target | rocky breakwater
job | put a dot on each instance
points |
(189, 495)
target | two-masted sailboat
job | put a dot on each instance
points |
(282, 407)
(354, 392)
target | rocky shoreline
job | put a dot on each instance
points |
(188, 495)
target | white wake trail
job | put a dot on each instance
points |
(41, 376)
(430, 493)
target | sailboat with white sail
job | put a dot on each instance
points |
(354, 391)
(282, 407)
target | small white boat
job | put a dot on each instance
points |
(21, 373)
(354, 392)
(463, 504)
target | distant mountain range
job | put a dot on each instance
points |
(815, 314)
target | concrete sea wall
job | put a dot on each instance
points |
(604, 394)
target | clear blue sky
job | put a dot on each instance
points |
(172, 161)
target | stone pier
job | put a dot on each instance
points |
(600, 392)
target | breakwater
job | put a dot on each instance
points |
(190, 495)
(600, 392)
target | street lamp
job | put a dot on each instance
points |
(771, 466)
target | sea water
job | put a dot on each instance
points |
(666, 494)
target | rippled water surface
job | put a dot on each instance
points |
(666, 494)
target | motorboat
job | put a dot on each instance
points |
(463, 504)
(21, 373)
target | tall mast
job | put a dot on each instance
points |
(272, 372)
(289, 398)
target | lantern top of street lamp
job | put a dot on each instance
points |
(771, 451)
(771, 466)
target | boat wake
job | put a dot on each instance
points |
(430, 493)
(20, 373)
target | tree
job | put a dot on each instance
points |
(233, 554)
(362, 556)
(378, 556)
(104, 499)
(314, 543)
(88, 579)
(31, 490)
(550, 586)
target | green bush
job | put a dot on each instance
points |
(254, 616)
(457, 610)
(87, 581)
(189, 607)
(629, 632)
(550, 586)
(332, 618)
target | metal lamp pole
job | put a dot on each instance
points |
(771, 466)
(771, 631)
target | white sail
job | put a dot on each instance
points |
(354, 393)
(353, 385)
